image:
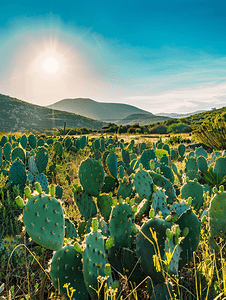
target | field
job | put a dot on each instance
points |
(126, 217)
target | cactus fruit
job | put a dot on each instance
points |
(44, 221)
(91, 175)
(66, 267)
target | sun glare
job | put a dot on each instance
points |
(50, 65)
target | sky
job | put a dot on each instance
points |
(161, 56)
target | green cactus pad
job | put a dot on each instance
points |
(42, 179)
(18, 153)
(146, 249)
(91, 175)
(159, 203)
(125, 188)
(217, 213)
(104, 203)
(112, 164)
(219, 169)
(202, 164)
(94, 261)
(44, 221)
(85, 204)
(167, 172)
(32, 165)
(58, 148)
(7, 151)
(143, 184)
(32, 141)
(18, 175)
(165, 184)
(195, 190)
(41, 159)
(70, 230)
(66, 267)
(121, 220)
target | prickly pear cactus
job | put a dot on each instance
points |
(44, 221)
(121, 221)
(125, 188)
(219, 169)
(195, 190)
(42, 179)
(217, 214)
(202, 164)
(143, 184)
(18, 175)
(85, 204)
(104, 203)
(146, 250)
(18, 153)
(91, 175)
(112, 164)
(70, 230)
(94, 261)
(58, 148)
(32, 141)
(165, 184)
(41, 159)
(23, 141)
(7, 151)
(66, 267)
(159, 203)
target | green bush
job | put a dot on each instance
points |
(159, 129)
(179, 128)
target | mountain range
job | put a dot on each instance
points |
(18, 116)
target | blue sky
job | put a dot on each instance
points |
(161, 56)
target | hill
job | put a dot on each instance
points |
(176, 115)
(106, 112)
(17, 115)
(141, 119)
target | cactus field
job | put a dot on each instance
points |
(111, 217)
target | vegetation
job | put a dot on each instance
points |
(156, 210)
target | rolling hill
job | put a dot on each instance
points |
(18, 116)
(106, 112)
(141, 119)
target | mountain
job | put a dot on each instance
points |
(141, 119)
(18, 116)
(107, 112)
(178, 116)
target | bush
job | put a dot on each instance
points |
(159, 129)
(179, 128)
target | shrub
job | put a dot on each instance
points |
(159, 129)
(179, 128)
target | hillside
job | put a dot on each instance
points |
(141, 119)
(176, 115)
(107, 112)
(17, 115)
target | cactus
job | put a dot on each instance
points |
(58, 149)
(202, 164)
(201, 152)
(125, 157)
(112, 164)
(70, 230)
(125, 188)
(146, 157)
(104, 203)
(85, 204)
(58, 192)
(66, 267)
(18, 153)
(191, 164)
(121, 220)
(165, 184)
(44, 221)
(24, 141)
(91, 175)
(121, 171)
(32, 165)
(195, 190)
(163, 291)
(147, 249)
(181, 150)
(42, 179)
(18, 175)
(217, 213)
(7, 151)
(219, 169)
(143, 184)
(32, 141)
(167, 172)
(41, 159)
(40, 142)
(94, 262)
(159, 203)
(164, 160)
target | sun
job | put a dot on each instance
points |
(50, 65)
